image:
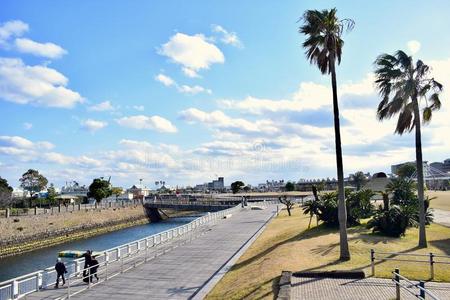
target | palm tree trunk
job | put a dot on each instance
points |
(342, 213)
(420, 183)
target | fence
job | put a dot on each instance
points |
(113, 261)
(21, 212)
(432, 259)
(418, 290)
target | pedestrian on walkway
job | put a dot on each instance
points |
(60, 271)
(94, 267)
(87, 263)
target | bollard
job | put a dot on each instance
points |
(372, 261)
(37, 281)
(59, 208)
(397, 284)
(68, 287)
(35, 210)
(106, 265)
(89, 277)
(431, 265)
(278, 210)
(15, 289)
(79, 206)
(8, 212)
(422, 290)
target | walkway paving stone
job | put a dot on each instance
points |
(361, 289)
(183, 271)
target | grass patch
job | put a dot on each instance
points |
(442, 200)
(286, 244)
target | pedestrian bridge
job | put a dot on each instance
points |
(202, 206)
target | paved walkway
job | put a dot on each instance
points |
(351, 289)
(182, 272)
(442, 217)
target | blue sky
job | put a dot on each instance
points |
(184, 91)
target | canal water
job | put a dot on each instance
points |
(22, 264)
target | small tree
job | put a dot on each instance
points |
(51, 194)
(5, 193)
(237, 186)
(358, 179)
(99, 189)
(406, 170)
(33, 182)
(117, 191)
(289, 186)
(288, 202)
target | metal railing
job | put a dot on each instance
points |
(112, 261)
(418, 290)
(431, 259)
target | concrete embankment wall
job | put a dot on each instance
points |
(22, 234)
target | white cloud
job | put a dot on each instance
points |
(48, 50)
(190, 73)
(27, 126)
(102, 106)
(15, 141)
(413, 46)
(12, 29)
(193, 52)
(166, 80)
(155, 123)
(229, 38)
(309, 96)
(217, 119)
(23, 143)
(93, 125)
(139, 107)
(37, 85)
(185, 89)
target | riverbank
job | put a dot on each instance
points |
(24, 234)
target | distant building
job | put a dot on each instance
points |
(272, 186)
(139, 192)
(442, 166)
(74, 189)
(215, 185)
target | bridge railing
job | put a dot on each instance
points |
(114, 260)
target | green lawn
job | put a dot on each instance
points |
(286, 244)
(442, 200)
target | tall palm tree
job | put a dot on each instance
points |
(323, 46)
(404, 85)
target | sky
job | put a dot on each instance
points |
(185, 91)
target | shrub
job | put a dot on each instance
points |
(403, 211)
(392, 222)
(326, 207)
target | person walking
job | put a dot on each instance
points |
(87, 263)
(60, 271)
(94, 268)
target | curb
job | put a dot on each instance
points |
(284, 292)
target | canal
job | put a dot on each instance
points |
(25, 263)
